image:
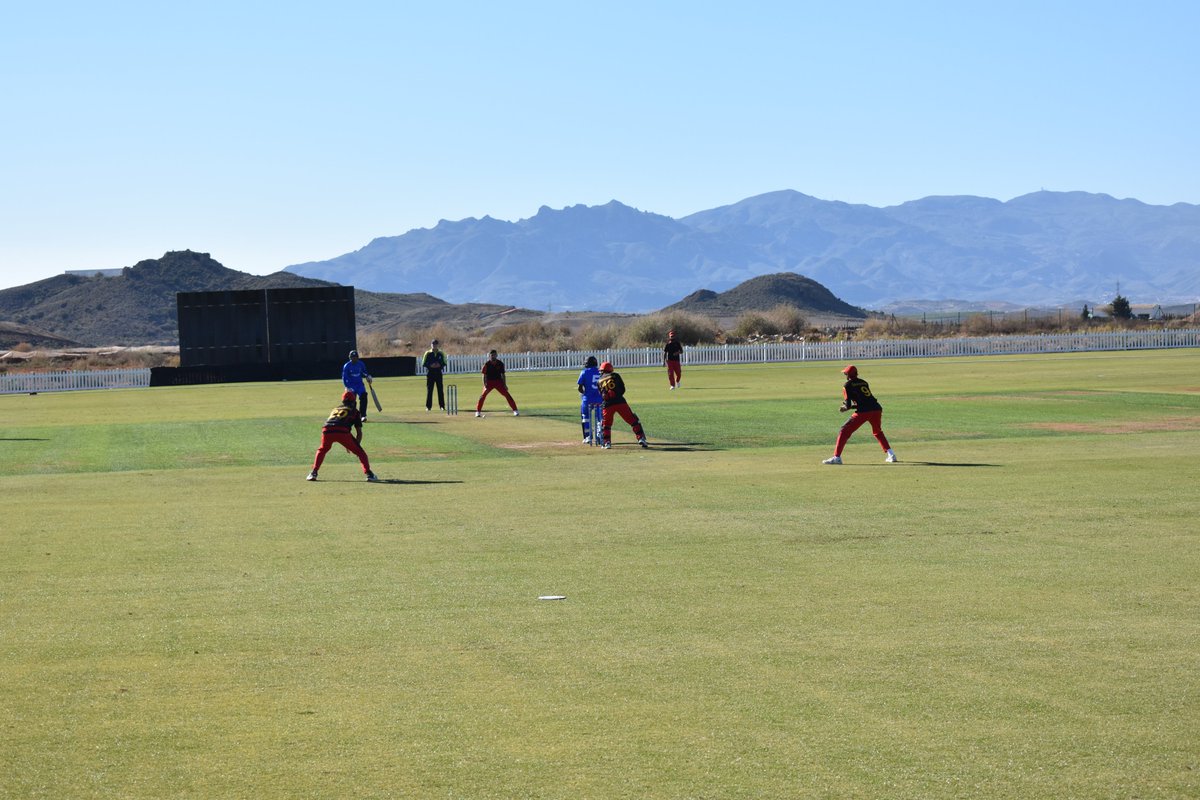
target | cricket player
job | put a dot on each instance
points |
(354, 373)
(494, 378)
(857, 397)
(342, 420)
(672, 358)
(612, 389)
(589, 387)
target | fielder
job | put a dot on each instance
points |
(337, 429)
(494, 378)
(673, 359)
(857, 396)
(589, 387)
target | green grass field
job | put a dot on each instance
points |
(1012, 611)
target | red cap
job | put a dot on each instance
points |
(348, 395)
(850, 371)
(606, 366)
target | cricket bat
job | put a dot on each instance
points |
(375, 398)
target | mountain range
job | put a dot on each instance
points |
(1044, 248)
(137, 306)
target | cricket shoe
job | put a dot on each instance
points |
(312, 476)
(372, 477)
(833, 460)
(642, 441)
(607, 445)
(587, 440)
(479, 414)
(516, 413)
(891, 458)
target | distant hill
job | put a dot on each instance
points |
(1045, 248)
(13, 334)
(137, 306)
(765, 293)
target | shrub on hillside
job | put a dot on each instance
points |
(754, 323)
(532, 335)
(594, 337)
(788, 319)
(652, 330)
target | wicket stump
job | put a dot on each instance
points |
(595, 419)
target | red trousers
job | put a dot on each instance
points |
(627, 414)
(856, 421)
(674, 371)
(346, 440)
(500, 387)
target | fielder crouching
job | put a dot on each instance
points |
(337, 429)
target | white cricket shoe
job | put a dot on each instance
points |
(833, 460)
(516, 413)
(312, 476)
(479, 414)
(587, 440)
(607, 445)
(642, 441)
(891, 458)
(372, 477)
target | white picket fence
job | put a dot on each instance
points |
(769, 352)
(764, 352)
(70, 380)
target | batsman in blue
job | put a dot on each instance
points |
(590, 399)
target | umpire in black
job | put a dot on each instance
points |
(434, 363)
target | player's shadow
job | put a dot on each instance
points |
(675, 447)
(941, 464)
(402, 482)
(21, 439)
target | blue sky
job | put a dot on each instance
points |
(272, 133)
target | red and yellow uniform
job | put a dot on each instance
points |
(494, 378)
(344, 427)
(612, 390)
(672, 357)
(856, 395)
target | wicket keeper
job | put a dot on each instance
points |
(612, 389)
